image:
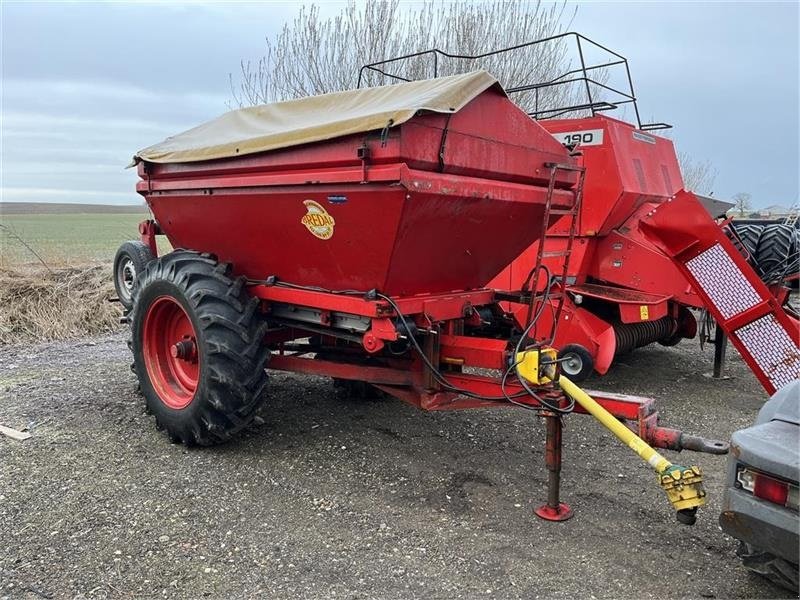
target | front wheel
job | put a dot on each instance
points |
(129, 262)
(197, 341)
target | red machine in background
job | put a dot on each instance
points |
(623, 292)
(619, 288)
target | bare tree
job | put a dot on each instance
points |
(698, 176)
(742, 203)
(316, 55)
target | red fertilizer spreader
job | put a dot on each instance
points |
(351, 235)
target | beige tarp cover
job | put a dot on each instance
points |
(295, 122)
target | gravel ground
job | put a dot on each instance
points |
(335, 497)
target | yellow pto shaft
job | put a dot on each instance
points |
(610, 422)
(683, 485)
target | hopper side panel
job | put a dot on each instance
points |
(262, 231)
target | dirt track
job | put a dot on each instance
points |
(333, 497)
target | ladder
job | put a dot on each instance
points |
(766, 336)
(546, 250)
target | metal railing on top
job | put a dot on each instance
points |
(584, 73)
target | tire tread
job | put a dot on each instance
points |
(233, 379)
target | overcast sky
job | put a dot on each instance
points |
(86, 85)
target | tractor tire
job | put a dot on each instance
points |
(777, 255)
(197, 341)
(776, 569)
(129, 262)
(575, 362)
(749, 235)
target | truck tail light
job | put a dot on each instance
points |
(768, 488)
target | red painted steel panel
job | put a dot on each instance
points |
(615, 191)
(627, 169)
(767, 338)
(262, 234)
(625, 257)
(456, 233)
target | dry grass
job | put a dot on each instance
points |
(37, 304)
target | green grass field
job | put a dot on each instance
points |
(65, 239)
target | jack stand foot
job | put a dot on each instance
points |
(548, 513)
(554, 509)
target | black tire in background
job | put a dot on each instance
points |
(777, 254)
(129, 262)
(749, 235)
(773, 249)
(228, 333)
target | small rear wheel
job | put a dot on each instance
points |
(576, 362)
(129, 262)
(197, 341)
(768, 565)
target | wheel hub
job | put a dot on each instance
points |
(573, 364)
(186, 350)
(171, 357)
(128, 274)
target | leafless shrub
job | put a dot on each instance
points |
(38, 304)
(315, 55)
(698, 175)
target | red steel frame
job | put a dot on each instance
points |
(409, 380)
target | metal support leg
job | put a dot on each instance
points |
(554, 510)
(720, 348)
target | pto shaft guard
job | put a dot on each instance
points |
(683, 485)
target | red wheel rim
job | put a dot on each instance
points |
(169, 345)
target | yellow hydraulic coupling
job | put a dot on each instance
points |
(683, 485)
(537, 365)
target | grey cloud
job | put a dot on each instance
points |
(86, 85)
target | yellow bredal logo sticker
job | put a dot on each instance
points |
(317, 220)
(644, 312)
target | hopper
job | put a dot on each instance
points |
(415, 188)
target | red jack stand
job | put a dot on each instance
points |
(554, 510)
